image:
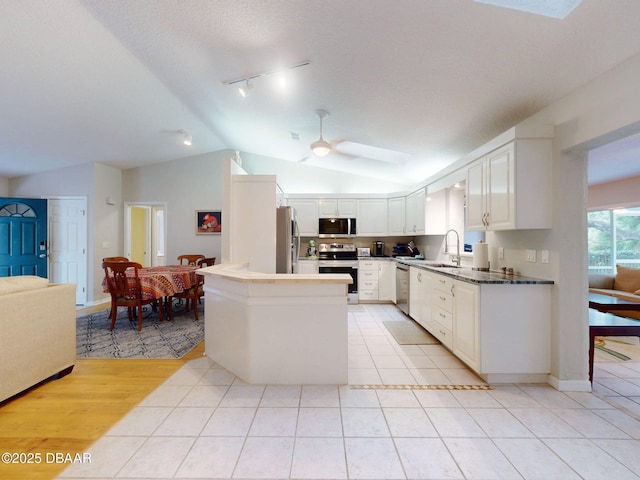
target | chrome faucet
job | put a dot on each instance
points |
(454, 258)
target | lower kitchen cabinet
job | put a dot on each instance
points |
(465, 322)
(368, 279)
(376, 280)
(387, 280)
(307, 266)
(416, 293)
(501, 331)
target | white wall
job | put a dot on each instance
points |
(615, 194)
(604, 110)
(105, 224)
(186, 185)
(78, 181)
(4, 187)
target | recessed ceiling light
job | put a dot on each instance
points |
(548, 8)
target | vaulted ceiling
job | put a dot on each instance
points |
(115, 82)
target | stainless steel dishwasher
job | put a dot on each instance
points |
(402, 287)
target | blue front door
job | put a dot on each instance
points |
(23, 237)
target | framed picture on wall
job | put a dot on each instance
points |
(208, 222)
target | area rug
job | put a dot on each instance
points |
(613, 349)
(409, 333)
(171, 338)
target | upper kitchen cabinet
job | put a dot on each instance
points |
(414, 212)
(510, 187)
(307, 215)
(396, 216)
(436, 212)
(337, 207)
(372, 217)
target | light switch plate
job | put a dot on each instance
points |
(531, 256)
(544, 256)
(501, 253)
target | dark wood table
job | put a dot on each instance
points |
(607, 303)
(603, 324)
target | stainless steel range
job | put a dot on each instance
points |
(340, 258)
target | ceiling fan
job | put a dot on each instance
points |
(320, 148)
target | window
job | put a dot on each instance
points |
(614, 239)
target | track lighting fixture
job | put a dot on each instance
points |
(246, 87)
(186, 137)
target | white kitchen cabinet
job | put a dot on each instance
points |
(371, 217)
(368, 276)
(337, 207)
(465, 322)
(501, 331)
(510, 187)
(307, 215)
(307, 267)
(387, 280)
(439, 310)
(416, 293)
(436, 212)
(414, 213)
(397, 216)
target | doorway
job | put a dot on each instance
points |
(23, 237)
(68, 243)
(145, 233)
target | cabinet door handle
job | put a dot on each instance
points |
(453, 292)
(443, 333)
(444, 299)
(442, 315)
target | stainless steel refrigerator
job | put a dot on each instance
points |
(287, 240)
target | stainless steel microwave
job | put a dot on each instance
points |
(336, 227)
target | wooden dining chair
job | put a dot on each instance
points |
(190, 259)
(125, 291)
(115, 259)
(192, 295)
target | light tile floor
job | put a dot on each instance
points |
(203, 422)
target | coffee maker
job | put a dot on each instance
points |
(377, 249)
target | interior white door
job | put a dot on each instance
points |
(68, 243)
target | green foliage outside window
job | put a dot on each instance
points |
(613, 239)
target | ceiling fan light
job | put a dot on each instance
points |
(320, 148)
(245, 89)
(186, 138)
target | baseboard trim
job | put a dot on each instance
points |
(569, 385)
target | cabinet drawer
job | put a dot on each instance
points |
(443, 284)
(368, 265)
(442, 317)
(444, 335)
(442, 300)
(364, 275)
(368, 285)
(368, 294)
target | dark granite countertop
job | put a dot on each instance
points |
(470, 275)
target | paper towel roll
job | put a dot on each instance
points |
(481, 256)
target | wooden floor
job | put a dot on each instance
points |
(68, 415)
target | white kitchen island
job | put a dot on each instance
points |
(278, 329)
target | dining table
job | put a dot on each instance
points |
(163, 281)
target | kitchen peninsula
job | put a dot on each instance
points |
(278, 329)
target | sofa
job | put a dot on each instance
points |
(37, 332)
(624, 284)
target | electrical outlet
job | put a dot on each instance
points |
(544, 256)
(531, 255)
(501, 253)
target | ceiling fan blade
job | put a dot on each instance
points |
(374, 153)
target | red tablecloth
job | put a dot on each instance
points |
(164, 281)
